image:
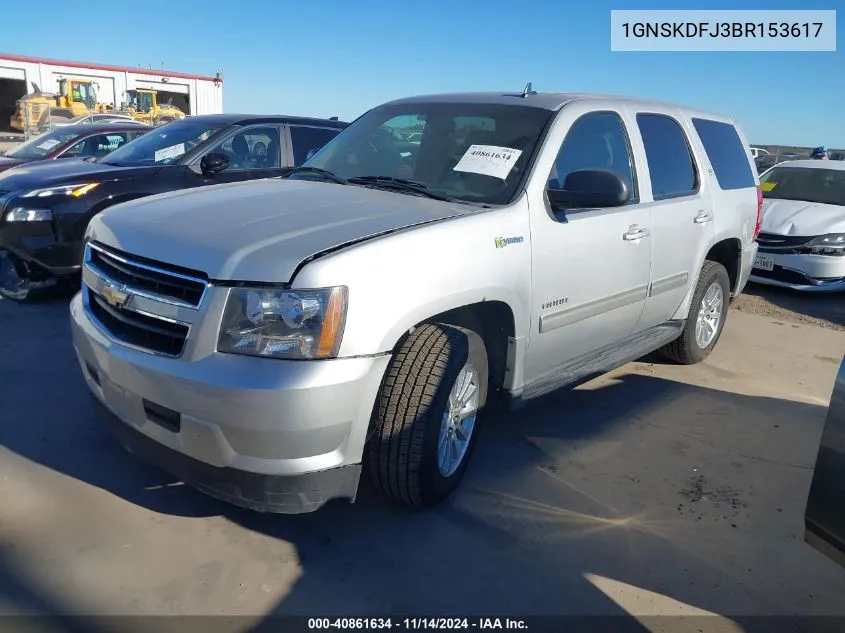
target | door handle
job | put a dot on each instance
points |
(634, 233)
(702, 217)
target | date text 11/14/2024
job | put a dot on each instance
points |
(416, 624)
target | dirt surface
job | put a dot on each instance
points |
(823, 310)
(657, 489)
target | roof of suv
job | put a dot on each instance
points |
(545, 100)
(238, 119)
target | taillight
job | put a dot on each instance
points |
(759, 212)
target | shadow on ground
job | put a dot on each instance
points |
(571, 507)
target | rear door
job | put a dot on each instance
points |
(824, 518)
(681, 212)
(306, 140)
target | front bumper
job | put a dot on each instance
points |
(34, 255)
(266, 434)
(807, 273)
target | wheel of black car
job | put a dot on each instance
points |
(426, 414)
(706, 319)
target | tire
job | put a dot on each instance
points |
(402, 455)
(686, 349)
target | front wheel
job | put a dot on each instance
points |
(706, 318)
(426, 414)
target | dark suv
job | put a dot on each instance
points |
(45, 207)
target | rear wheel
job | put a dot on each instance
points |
(706, 318)
(426, 414)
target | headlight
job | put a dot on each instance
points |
(21, 214)
(832, 244)
(291, 324)
(64, 190)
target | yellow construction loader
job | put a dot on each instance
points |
(143, 106)
(75, 98)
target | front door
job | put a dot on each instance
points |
(255, 151)
(590, 266)
(681, 210)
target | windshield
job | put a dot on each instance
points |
(40, 146)
(464, 151)
(165, 145)
(826, 186)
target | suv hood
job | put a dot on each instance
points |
(797, 217)
(259, 230)
(65, 171)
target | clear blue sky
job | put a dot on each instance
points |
(340, 58)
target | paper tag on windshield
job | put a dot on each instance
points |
(768, 186)
(169, 152)
(48, 144)
(489, 160)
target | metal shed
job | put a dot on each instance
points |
(193, 94)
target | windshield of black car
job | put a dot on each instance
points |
(464, 151)
(164, 145)
(40, 146)
(809, 184)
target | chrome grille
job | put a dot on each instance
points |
(141, 303)
(156, 282)
(774, 243)
(137, 329)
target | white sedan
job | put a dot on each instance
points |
(802, 237)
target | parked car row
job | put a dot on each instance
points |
(270, 303)
(46, 205)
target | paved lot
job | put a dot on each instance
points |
(657, 489)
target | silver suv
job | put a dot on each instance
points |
(266, 340)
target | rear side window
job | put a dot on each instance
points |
(307, 140)
(726, 153)
(667, 151)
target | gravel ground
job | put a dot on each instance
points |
(822, 310)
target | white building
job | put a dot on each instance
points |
(193, 94)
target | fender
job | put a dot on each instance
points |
(400, 280)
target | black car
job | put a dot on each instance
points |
(45, 207)
(824, 517)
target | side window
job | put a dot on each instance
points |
(305, 139)
(667, 151)
(726, 153)
(253, 148)
(595, 141)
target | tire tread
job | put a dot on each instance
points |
(408, 392)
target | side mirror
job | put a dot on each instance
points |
(213, 163)
(590, 189)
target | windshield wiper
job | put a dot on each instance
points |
(325, 173)
(399, 184)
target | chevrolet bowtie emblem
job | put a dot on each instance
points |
(116, 296)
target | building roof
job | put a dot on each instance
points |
(122, 69)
